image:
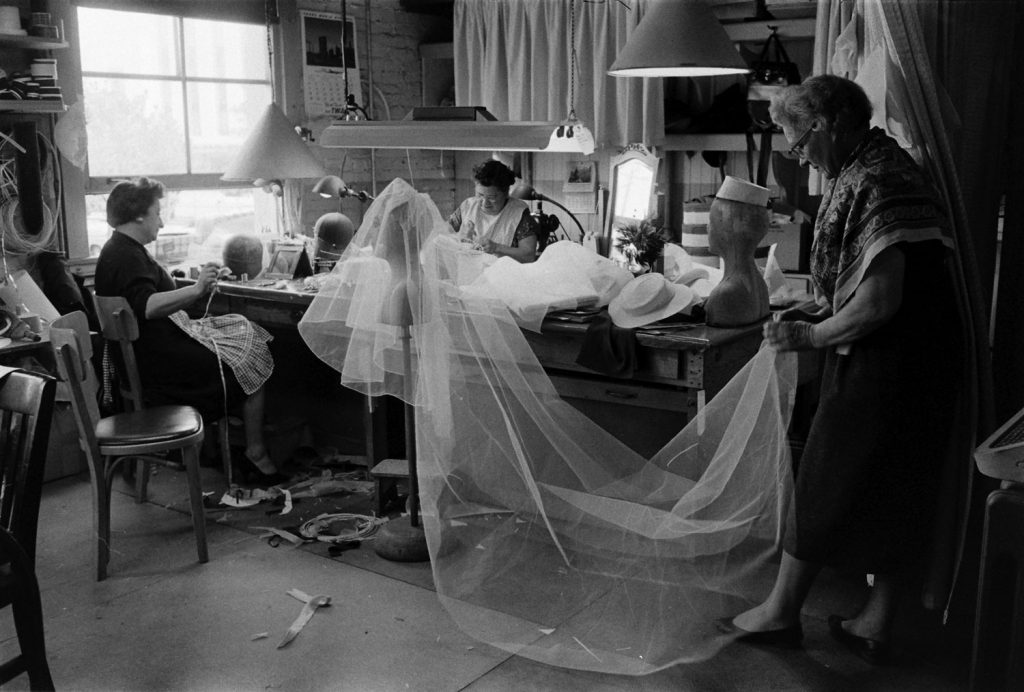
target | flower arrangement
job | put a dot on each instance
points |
(641, 243)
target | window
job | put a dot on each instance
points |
(172, 98)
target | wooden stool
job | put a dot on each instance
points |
(999, 628)
(386, 475)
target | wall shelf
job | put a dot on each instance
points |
(757, 30)
(14, 106)
(31, 42)
(719, 142)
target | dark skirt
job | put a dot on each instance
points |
(866, 483)
(176, 369)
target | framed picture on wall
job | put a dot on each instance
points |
(580, 176)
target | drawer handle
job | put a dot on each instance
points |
(621, 395)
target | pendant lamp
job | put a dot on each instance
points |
(272, 154)
(678, 38)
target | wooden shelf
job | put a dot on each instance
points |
(31, 42)
(719, 142)
(757, 30)
(40, 106)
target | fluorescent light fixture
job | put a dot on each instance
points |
(678, 38)
(459, 134)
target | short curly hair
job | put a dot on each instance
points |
(493, 173)
(131, 199)
(841, 102)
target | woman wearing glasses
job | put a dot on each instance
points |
(493, 221)
(885, 323)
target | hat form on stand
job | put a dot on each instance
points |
(649, 298)
(739, 190)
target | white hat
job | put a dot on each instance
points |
(648, 298)
(739, 190)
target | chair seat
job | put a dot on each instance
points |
(159, 424)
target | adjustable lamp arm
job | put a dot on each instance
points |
(571, 215)
(527, 192)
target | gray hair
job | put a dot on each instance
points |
(841, 102)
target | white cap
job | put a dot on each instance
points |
(739, 190)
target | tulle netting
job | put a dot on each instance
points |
(548, 537)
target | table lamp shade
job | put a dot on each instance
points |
(273, 151)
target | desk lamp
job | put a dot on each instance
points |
(548, 222)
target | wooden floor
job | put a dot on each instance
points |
(164, 622)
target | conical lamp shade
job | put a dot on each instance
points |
(274, 151)
(678, 38)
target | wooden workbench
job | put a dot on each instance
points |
(677, 371)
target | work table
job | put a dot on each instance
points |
(676, 371)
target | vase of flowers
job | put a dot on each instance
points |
(641, 244)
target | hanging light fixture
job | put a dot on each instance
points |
(468, 128)
(678, 38)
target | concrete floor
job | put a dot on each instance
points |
(161, 621)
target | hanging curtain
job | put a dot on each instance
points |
(885, 48)
(514, 57)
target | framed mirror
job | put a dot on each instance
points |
(633, 174)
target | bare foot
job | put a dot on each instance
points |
(761, 618)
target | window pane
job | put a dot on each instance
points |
(220, 117)
(197, 223)
(127, 42)
(226, 50)
(135, 126)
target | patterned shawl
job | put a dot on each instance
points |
(879, 198)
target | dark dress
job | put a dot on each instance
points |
(867, 481)
(174, 368)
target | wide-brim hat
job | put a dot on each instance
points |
(739, 190)
(649, 298)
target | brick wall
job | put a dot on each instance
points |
(388, 54)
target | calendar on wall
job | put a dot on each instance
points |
(327, 60)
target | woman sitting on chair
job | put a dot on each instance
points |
(212, 363)
(491, 220)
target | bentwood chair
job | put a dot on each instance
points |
(135, 435)
(118, 325)
(26, 409)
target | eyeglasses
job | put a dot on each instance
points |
(797, 150)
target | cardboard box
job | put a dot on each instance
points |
(791, 251)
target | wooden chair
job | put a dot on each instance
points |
(118, 325)
(26, 409)
(124, 436)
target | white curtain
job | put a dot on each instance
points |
(514, 58)
(882, 46)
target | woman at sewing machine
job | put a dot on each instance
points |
(212, 363)
(491, 220)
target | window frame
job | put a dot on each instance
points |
(98, 185)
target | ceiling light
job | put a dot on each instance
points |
(678, 38)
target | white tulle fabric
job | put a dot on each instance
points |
(548, 537)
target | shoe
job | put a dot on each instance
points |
(254, 476)
(791, 637)
(873, 651)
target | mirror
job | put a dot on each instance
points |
(633, 173)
